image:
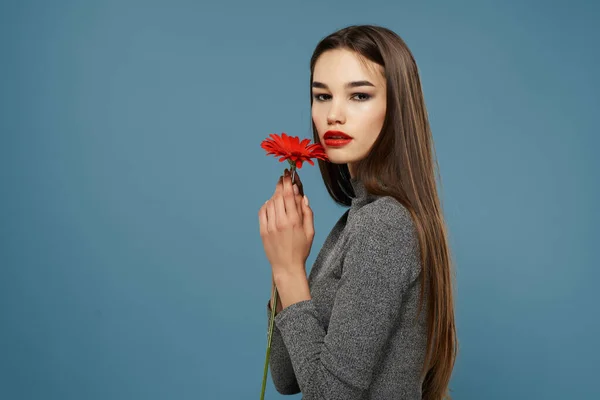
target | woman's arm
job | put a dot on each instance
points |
(381, 262)
(280, 364)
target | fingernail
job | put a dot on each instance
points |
(295, 187)
(305, 200)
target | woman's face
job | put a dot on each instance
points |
(350, 98)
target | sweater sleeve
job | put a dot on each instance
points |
(381, 261)
(280, 364)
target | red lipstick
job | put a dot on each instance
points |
(336, 138)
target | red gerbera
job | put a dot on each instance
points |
(292, 149)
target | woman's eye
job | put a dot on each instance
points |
(319, 97)
(365, 96)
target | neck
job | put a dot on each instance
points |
(351, 170)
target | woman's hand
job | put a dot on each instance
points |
(286, 229)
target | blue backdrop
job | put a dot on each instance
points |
(131, 266)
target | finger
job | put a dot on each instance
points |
(279, 205)
(271, 227)
(262, 220)
(308, 224)
(289, 201)
(298, 201)
(298, 182)
(278, 186)
(286, 174)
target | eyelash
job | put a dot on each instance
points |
(368, 96)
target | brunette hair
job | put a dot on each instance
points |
(402, 159)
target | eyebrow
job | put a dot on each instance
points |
(348, 85)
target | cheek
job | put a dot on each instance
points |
(366, 113)
(378, 115)
(370, 119)
(317, 116)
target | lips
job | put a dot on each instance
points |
(338, 135)
(336, 139)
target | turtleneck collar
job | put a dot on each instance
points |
(359, 189)
(361, 197)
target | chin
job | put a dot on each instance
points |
(339, 159)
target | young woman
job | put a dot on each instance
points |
(375, 317)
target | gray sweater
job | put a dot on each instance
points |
(360, 336)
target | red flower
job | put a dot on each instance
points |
(292, 149)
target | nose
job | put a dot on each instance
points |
(336, 114)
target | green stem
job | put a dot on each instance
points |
(270, 336)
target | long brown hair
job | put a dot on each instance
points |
(402, 159)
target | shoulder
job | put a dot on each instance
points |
(383, 234)
(386, 215)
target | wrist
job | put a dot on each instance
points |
(284, 277)
(292, 288)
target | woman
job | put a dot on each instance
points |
(375, 317)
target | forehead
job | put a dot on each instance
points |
(341, 65)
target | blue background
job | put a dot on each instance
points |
(131, 265)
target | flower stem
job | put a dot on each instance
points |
(273, 308)
(269, 337)
(293, 170)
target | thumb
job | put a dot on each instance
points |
(309, 227)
